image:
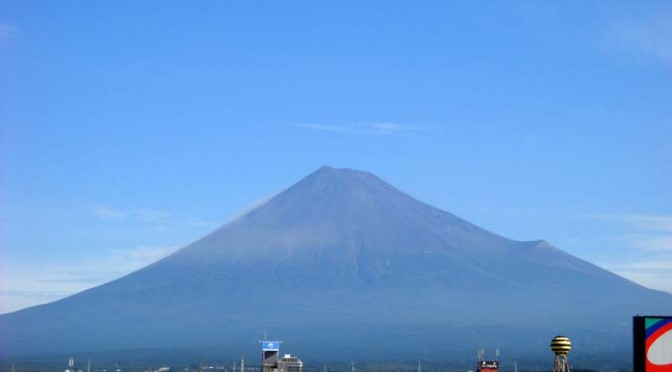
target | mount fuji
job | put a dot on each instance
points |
(342, 262)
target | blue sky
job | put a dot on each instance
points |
(130, 129)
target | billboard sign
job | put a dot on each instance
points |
(270, 345)
(652, 343)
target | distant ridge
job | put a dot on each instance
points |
(342, 257)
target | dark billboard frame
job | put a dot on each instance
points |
(639, 340)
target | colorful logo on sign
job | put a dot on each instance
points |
(658, 344)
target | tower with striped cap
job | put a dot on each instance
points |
(560, 345)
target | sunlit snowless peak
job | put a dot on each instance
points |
(344, 258)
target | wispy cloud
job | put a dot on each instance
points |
(12, 300)
(79, 276)
(391, 128)
(651, 265)
(7, 31)
(254, 206)
(643, 34)
(649, 240)
(377, 129)
(329, 128)
(653, 272)
(200, 223)
(140, 256)
(106, 213)
(148, 215)
(144, 215)
(23, 285)
(118, 262)
(148, 219)
(646, 232)
(24, 293)
(648, 222)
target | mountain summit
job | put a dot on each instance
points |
(345, 258)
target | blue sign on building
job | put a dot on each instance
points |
(271, 345)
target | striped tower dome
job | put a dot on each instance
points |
(561, 345)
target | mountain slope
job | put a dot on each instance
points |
(345, 257)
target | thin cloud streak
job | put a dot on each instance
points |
(13, 300)
(7, 31)
(648, 222)
(648, 238)
(650, 35)
(148, 215)
(644, 232)
(20, 289)
(143, 214)
(650, 265)
(376, 129)
(161, 220)
(128, 260)
(391, 128)
(649, 243)
(117, 264)
(86, 277)
(254, 206)
(105, 213)
(329, 128)
(650, 272)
